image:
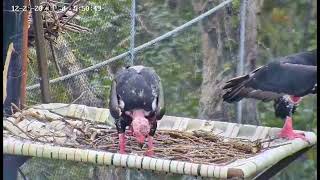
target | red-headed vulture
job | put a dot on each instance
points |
(284, 80)
(137, 101)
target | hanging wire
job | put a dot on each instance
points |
(132, 31)
(138, 48)
(240, 66)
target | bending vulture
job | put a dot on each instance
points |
(285, 80)
(137, 101)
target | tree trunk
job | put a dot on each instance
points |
(249, 106)
(216, 31)
(67, 64)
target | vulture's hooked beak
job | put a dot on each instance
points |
(140, 126)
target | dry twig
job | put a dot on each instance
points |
(197, 146)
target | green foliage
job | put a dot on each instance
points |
(178, 60)
(109, 29)
(285, 31)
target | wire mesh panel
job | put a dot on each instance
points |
(192, 45)
(89, 82)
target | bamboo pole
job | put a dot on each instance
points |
(41, 53)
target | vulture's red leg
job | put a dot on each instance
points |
(287, 131)
(122, 143)
(150, 151)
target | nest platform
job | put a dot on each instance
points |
(182, 145)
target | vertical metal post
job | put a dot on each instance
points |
(240, 66)
(133, 30)
(24, 56)
(41, 53)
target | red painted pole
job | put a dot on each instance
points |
(24, 56)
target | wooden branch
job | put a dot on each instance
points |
(68, 8)
(78, 26)
(70, 18)
(54, 22)
(27, 134)
(54, 59)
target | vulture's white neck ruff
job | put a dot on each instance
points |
(137, 68)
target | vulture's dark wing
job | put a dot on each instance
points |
(137, 87)
(304, 58)
(160, 110)
(155, 83)
(114, 106)
(272, 81)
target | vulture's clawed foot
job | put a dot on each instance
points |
(290, 135)
(150, 151)
(122, 143)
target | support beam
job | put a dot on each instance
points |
(276, 168)
(240, 66)
(11, 164)
(41, 53)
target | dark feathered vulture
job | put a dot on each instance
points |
(295, 75)
(137, 101)
(284, 80)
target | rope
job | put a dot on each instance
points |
(139, 48)
(241, 52)
(133, 30)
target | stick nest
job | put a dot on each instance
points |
(56, 20)
(203, 147)
(196, 147)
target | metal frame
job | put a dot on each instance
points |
(267, 174)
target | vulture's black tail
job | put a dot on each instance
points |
(236, 87)
(235, 91)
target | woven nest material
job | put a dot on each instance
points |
(197, 146)
(182, 145)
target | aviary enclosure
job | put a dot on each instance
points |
(60, 58)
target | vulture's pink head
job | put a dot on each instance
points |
(295, 99)
(140, 126)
